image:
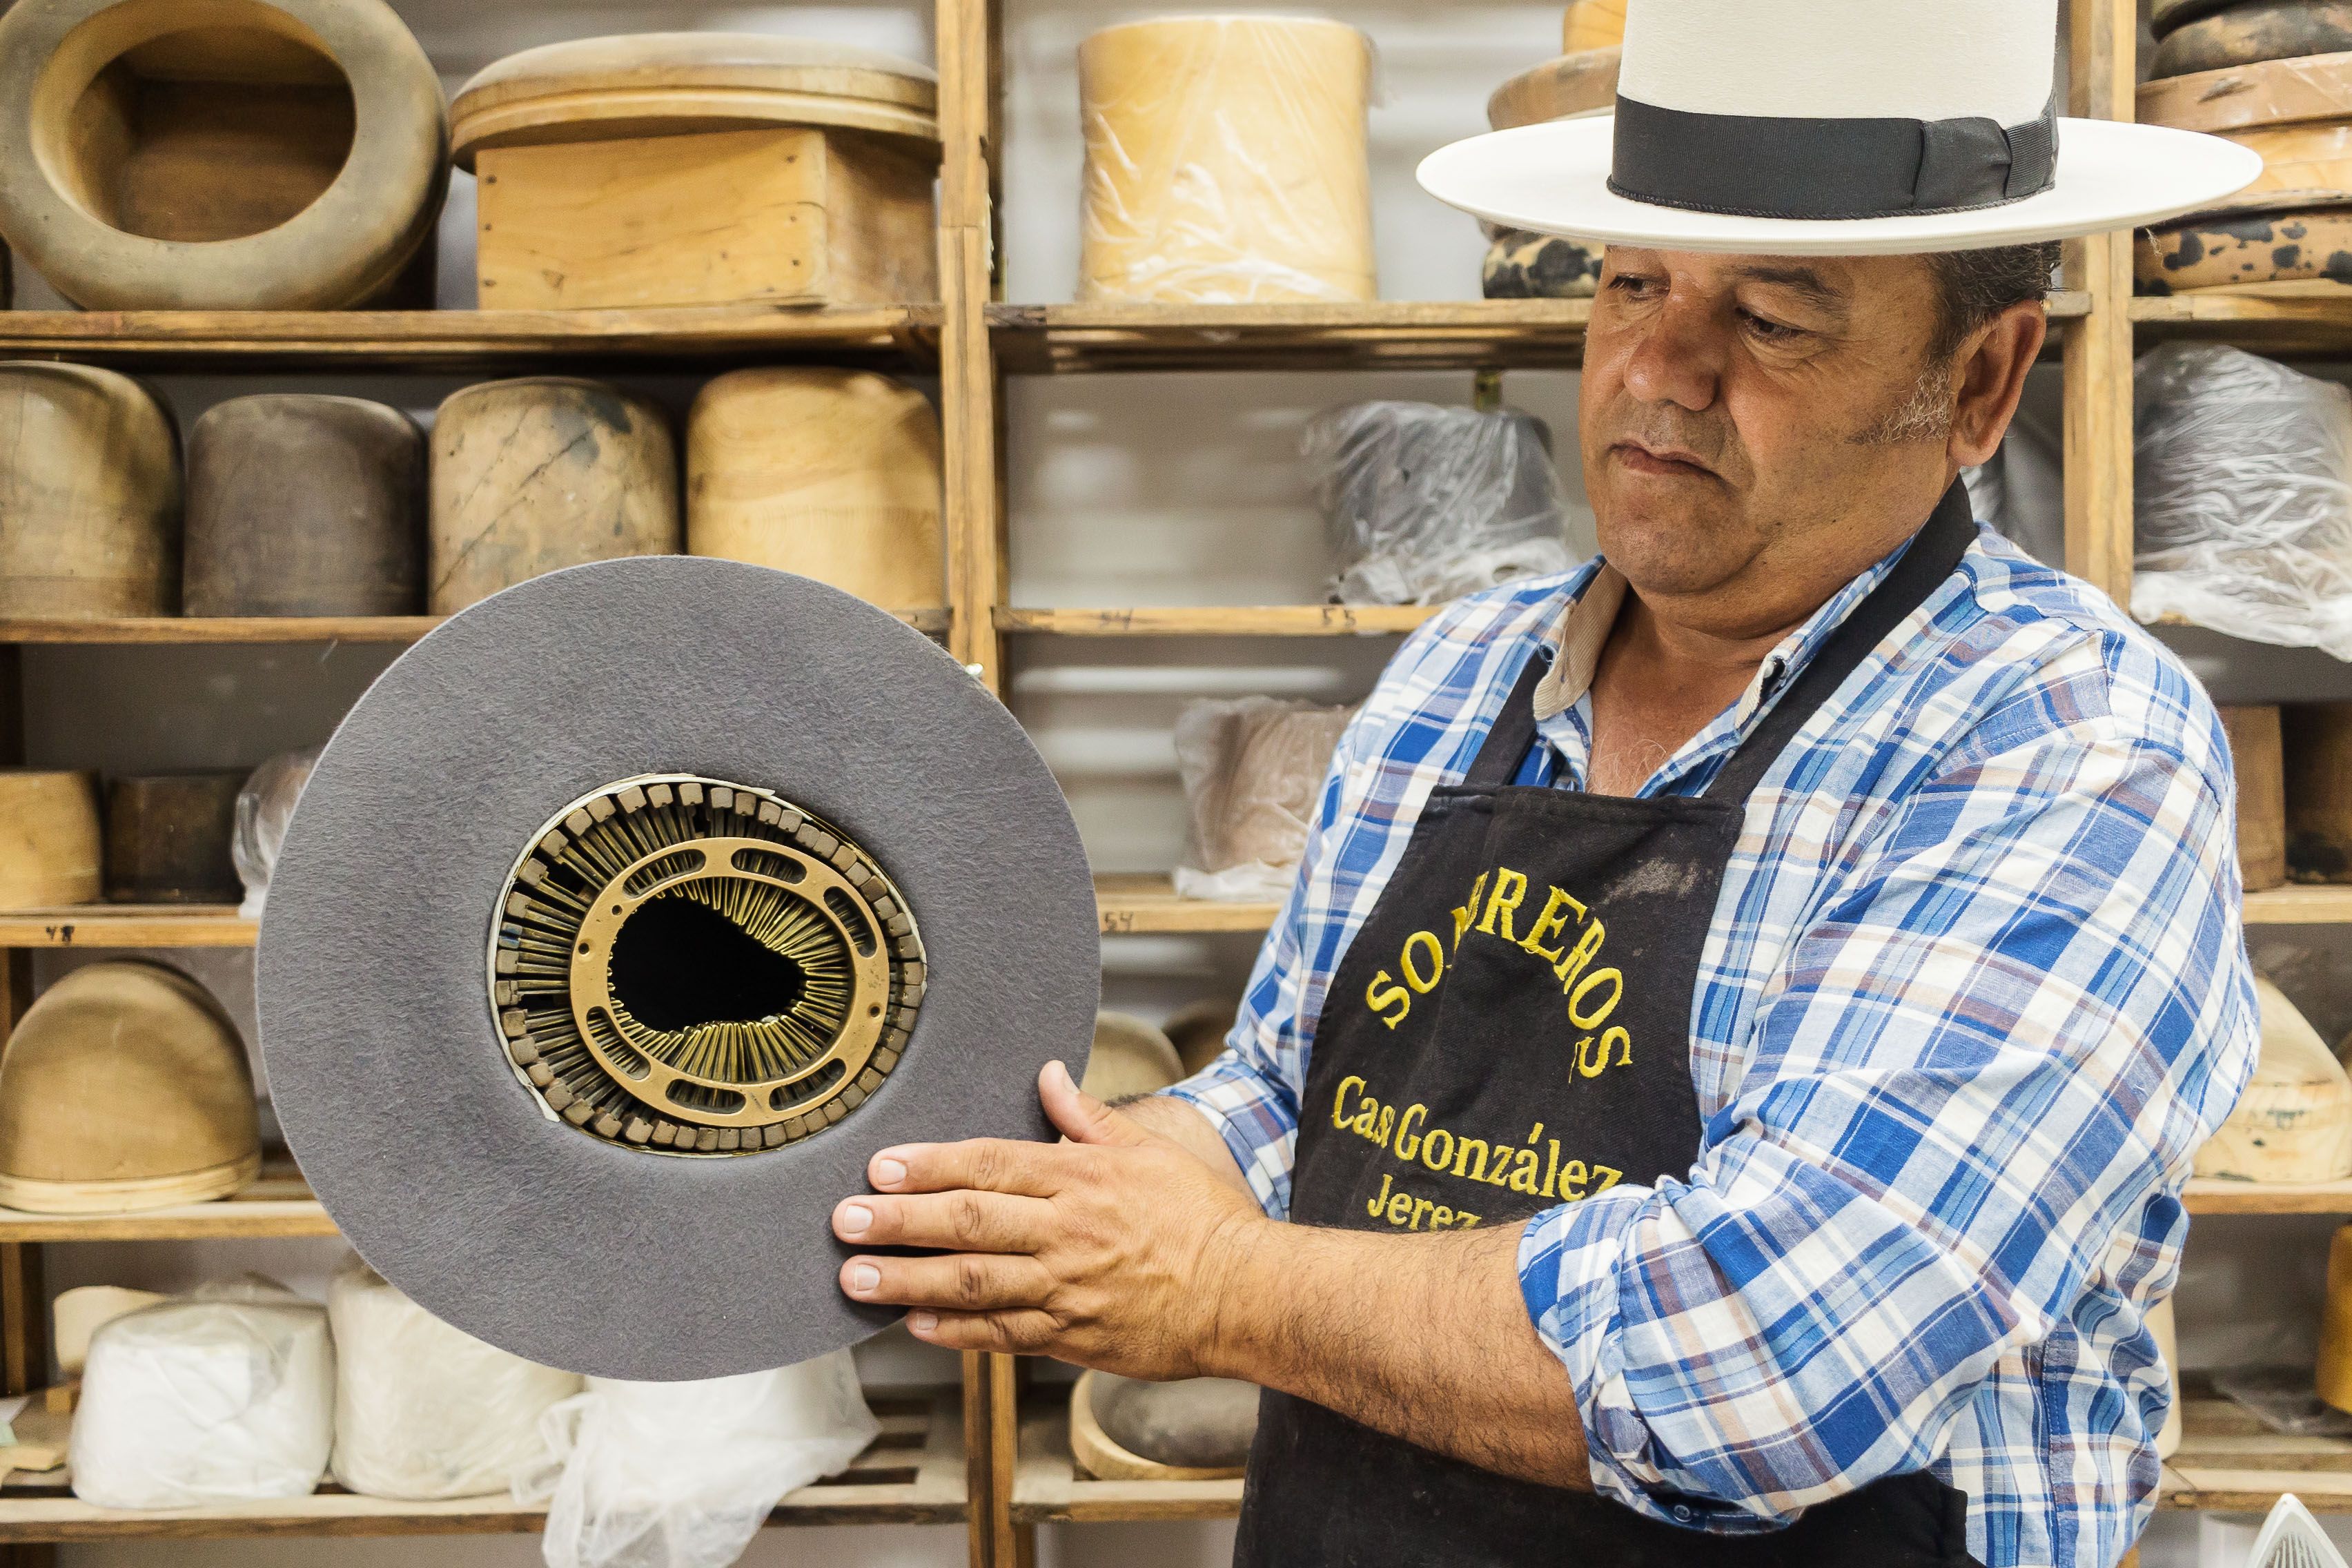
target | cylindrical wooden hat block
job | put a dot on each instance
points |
(1131, 1058)
(1225, 162)
(701, 168)
(2334, 1371)
(50, 845)
(169, 837)
(2256, 754)
(235, 154)
(124, 1088)
(1592, 24)
(833, 474)
(541, 473)
(90, 495)
(300, 504)
(2318, 746)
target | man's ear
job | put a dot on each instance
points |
(1990, 378)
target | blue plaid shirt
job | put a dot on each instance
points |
(1975, 989)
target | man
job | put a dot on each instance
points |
(1720, 1090)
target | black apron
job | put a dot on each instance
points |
(1510, 1030)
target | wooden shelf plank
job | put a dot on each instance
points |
(1382, 334)
(430, 339)
(278, 1202)
(186, 629)
(913, 1474)
(2208, 1195)
(1135, 904)
(1047, 1487)
(1219, 620)
(2230, 1463)
(128, 925)
(2292, 319)
(2317, 905)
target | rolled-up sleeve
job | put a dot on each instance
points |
(1992, 1048)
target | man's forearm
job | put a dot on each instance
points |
(1424, 1338)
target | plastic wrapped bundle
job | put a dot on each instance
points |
(424, 1410)
(224, 1396)
(681, 1475)
(2244, 503)
(1225, 162)
(1426, 503)
(264, 806)
(1252, 770)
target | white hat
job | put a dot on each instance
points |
(1836, 127)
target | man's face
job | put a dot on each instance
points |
(1741, 415)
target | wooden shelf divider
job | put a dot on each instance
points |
(1218, 620)
(205, 629)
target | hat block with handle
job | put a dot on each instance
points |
(1834, 126)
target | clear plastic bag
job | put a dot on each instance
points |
(2244, 498)
(425, 1410)
(1425, 503)
(681, 1475)
(264, 806)
(1251, 769)
(226, 1395)
(1225, 162)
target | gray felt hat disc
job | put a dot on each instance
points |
(392, 1070)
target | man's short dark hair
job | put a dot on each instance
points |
(1972, 287)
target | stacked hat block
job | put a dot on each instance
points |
(2274, 75)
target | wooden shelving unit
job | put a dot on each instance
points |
(2229, 1462)
(1049, 1487)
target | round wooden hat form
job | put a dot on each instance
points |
(217, 154)
(169, 838)
(1130, 1058)
(1524, 266)
(834, 474)
(2306, 237)
(1198, 1030)
(1591, 25)
(50, 845)
(2293, 1123)
(89, 497)
(300, 504)
(668, 84)
(540, 473)
(1225, 162)
(124, 1088)
(622, 921)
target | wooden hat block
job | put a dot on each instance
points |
(833, 474)
(1198, 1030)
(2293, 1123)
(2249, 32)
(124, 1088)
(51, 848)
(1225, 162)
(1101, 1455)
(1592, 24)
(537, 474)
(236, 155)
(2257, 753)
(2334, 1371)
(701, 168)
(1130, 1058)
(1520, 265)
(300, 504)
(2318, 746)
(90, 498)
(169, 836)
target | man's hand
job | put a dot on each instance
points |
(1113, 1249)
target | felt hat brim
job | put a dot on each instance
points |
(384, 1056)
(1552, 178)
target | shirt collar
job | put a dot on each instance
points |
(1582, 631)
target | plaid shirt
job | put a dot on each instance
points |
(1976, 987)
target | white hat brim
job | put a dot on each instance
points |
(1552, 178)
